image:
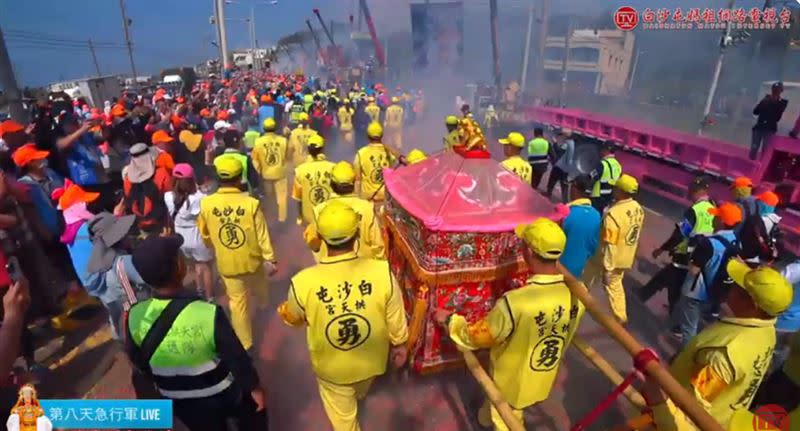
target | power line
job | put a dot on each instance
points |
(82, 44)
(53, 37)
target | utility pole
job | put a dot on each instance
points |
(94, 59)
(223, 37)
(565, 64)
(717, 70)
(253, 35)
(633, 70)
(9, 83)
(219, 38)
(495, 47)
(525, 57)
(128, 39)
(544, 20)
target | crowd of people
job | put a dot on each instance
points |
(122, 201)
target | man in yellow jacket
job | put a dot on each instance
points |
(373, 110)
(619, 239)
(233, 224)
(394, 124)
(270, 155)
(353, 311)
(724, 364)
(370, 238)
(370, 162)
(345, 117)
(512, 148)
(529, 328)
(453, 136)
(298, 140)
(312, 180)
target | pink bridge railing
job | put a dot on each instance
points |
(665, 160)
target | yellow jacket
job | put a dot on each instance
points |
(345, 115)
(528, 331)
(354, 312)
(520, 167)
(369, 164)
(312, 185)
(394, 117)
(370, 239)
(232, 223)
(622, 227)
(298, 140)
(374, 112)
(270, 155)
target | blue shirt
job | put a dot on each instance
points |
(789, 320)
(264, 112)
(582, 227)
(84, 162)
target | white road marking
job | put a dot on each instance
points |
(654, 212)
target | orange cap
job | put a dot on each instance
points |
(161, 137)
(740, 182)
(205, 113)
(769, 198)
(28, 153)
(72, 194)
(118, 111)
(265, 99)
(222, 115)
(729, 213)
(10, 126)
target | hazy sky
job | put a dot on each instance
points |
(169, 33)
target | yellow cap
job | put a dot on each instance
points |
(370, 99)
(343, 173)
(375, 130)
(770, 291)
(303, 116)
(415, 156)
(228, 167)
(451, 120)
(628, 184)
(346, 100)
(316, 140)
(514, 139)
(395, 99)
(333, 91)
(544, 237)
(269, 124)
(337, 222)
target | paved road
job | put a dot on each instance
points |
(441, 402)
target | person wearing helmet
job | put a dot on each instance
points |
(270, 155)
(370, 162)
(512, 148)
(345, 118)
(266, 109)
(415, 156)
(373, 110)
(343, 184)
(298, 140)
(312, 180)
(394, 124)
(453, 136)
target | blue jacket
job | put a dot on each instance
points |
(582, 227)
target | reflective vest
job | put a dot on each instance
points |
(452, 139)
(269, 156)
(546, 315)
(748, 343)
(519, 167)
(703, 225)
(185, 365)
(369, 164)
(608, 178)
(538, 149)
(236, 154)
(313, 179)
(308, 100)
(232, 222)
(394, 117)
(374, 112)
(700, 287)
(346, 119)
(297, 109)
(344, 300)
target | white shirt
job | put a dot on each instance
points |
(189, 211)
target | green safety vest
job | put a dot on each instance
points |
(250, 137)
(538, 149)
(703, 225)
(297, 109)
(611, 172)
(187, 357)
(242, 158)
(308, 100)
(452, 139)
